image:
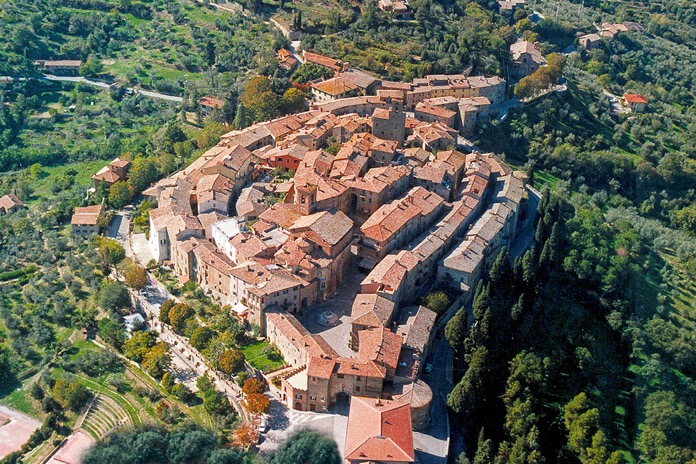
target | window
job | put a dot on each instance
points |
(340, 376)
(357, 378)
(298, 396)
(313, 398)
(357, 389)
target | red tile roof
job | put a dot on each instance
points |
(379, 430)
(87, 215)
(380, 345)
(211, 101)
(331, 63)
(635, 98)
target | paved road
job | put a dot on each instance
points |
(161, 96)
(525, 231)
(615, 106)
(104, 85)
(119, 228)
(189, 360)
(432, 444)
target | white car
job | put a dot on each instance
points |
(263, 425)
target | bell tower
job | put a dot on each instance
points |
(306, 198)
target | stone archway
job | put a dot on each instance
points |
(298, 406)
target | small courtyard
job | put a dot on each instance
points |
(340, 304)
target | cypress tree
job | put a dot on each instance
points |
(240, 118)
(456, 330)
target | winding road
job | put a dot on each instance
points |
(104, 85)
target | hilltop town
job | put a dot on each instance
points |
(364, 192)
(384, 231)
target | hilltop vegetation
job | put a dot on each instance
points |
(158, 44)
(583, 349)
(600, 318)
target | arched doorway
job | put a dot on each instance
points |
(298, 406)
(352, 203)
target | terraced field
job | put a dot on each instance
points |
(104, 417)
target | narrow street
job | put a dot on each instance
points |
(433, 444)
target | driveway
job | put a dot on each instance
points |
(119, 227)
(140, 249)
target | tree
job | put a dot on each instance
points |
(305, 447)
(179, 315)
(168, 381)
(240, 118)
(139, 345)
(91, 67)
(111, 332)
(165, 308)
(136, 278)
(297, 24)
(260, 99)
(110, 250)
(157, 361)
(231, 361)
(144, 172)
(308, 72)
(113, 296)
(7, 373)
(216, 403)
(484, 450)
(71, 394)
(457, 329)
(468, 395)
(210, 135)
(190, 446)
(210, 52)
(201, 337)
(437, 302)
(227, 456)
(245, 436)
(258, 403)
(120, 194)
(182, 392)
(252, 386)
(293, 101)
(370, 14)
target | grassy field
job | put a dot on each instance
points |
(542, 178)
(255, 355)
(42, 185)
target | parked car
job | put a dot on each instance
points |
(263, 425)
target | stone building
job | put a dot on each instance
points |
(86, 220)
(526, 58)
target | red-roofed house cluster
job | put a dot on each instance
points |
(391, 198)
